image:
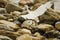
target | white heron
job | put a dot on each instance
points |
(38, 12)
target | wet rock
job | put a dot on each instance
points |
(48, 20)
(53, 39)
(4, 38)
(10, 34)
(45, 27)
(24, 31)
(26, 2)
(29, 24)
(15, 13)
(2, 17)
(37, 36)
(36, 6)
(4, 0)
(11, 20)
(4, 27)
(53, 13)
(41, 1)
(24, 37)
(57, 25)
(14, 1)
(58, 36)
(15, 26)
(9, 25)
(53, 17)
(52, 34)
(24, 12)
(3, 11)
(10, 7)
(38, 3)
(3, 3)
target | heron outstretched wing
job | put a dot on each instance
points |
(39, 11)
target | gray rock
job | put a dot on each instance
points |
(4, 38)
(3, 11)
(12, 7)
